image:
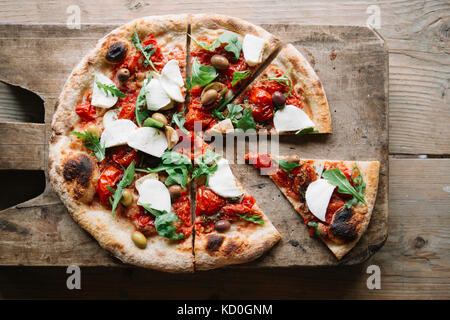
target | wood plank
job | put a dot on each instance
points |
(411, 267)
(22, 146)
(416, 33)
(364, 89)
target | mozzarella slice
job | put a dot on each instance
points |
(116, 133)
(224, 126)
(318, 166)
(253, 48)
(154, 193)
(156, 96)
(148, 140)
(110, 116)
(222, 181)
(99, 96)
(318, 195)
(172, 71)
(291, 118)
(138, 183)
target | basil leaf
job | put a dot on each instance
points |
(142, 113)
(126, 180)
(306, 131)
(255, 218)
(147, 52)
(234, 45)
(179, 120)
(240, 75)
(201, 75)
(246, 122)
(163, 222)
(92, 142)
(286, 166)
(110, 89)
(338, 179)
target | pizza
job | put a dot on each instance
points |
(334, 198)
(288, 97)
(230, 227)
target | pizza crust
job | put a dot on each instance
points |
(242, 243)
(112, 233)
(370, 172)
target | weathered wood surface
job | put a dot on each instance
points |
(417, 37)
(359, 112)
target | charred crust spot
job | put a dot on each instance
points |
(233, 247)
(79, 168)
(213, 242)
(342, 228)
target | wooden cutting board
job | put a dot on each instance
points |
(352, 63)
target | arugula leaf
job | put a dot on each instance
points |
(142, 113)
(247, 121)
(163, 222)
(201, 75)
(176, 165)
(240, 75)
(255, 218)
(286, 166)
(359, 185)
(338, 179)
(232, 40)
(206, 165)
(179, 120)
(306, 131)
(315, 225)
(284, 80)
(110, 89)
(147, 52)
(92, 142)
(126, 180)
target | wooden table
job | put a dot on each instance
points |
(415, 262)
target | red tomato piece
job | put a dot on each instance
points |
(127, 112)
(208, 202)
(124, 156)
(108, 178)
(86, 111)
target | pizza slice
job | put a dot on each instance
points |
(230, 228)
(225, 52)
(335, 198)
(287, 98)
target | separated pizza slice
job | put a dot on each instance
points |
(225, 52)
(335, 198)
(287, 98)
(230, 228)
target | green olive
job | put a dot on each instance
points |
(219, 62)
(209, 97)
(93, 129)
(123, 74)
(127, 198)
(160, 117)
(139, 239)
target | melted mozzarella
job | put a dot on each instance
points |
(224, 126)
(156, 96)
(138, 183)
(318, 166)
(253, 48)
(154, 193)
(291, 118)
(222, 181)
(117, 133)
(172, 71)
(99, 96)
(110, 116)
(149, 140)
(318, 195)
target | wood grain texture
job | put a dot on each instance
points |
(416, 33)
(414, 262)
(360, 98)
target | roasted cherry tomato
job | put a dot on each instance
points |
(86, 111)
(124, 156)
(182, 208)
(108, 178)
(230, 211)
(194, 114)
(208, 202)
(127, 112)
(248, 201)
(259, 160)
(261, 105)
(303, 174)
(260, 97)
